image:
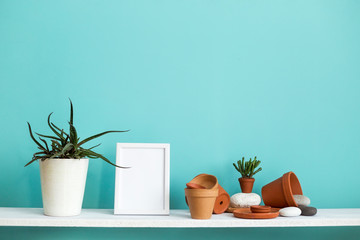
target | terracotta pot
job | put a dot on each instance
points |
(201, 202)
(193, 186)
(222, 201)
(246, 184)
(206, 180)
(279, 193)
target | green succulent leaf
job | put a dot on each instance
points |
(248, 168)
(60, 130)
(236, 167)
(33, 160)
(46, 145)
(46, 136)
(73, 135)
(66, 145)
(53, 129)
(98, 135)
(95, 146)
(71, 112)
(32, 137)
(92, 154)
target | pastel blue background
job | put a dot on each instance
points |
(217, 80)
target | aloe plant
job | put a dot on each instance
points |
(247, 169)
(65, 145)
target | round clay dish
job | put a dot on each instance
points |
(231, 209)
(191, 185)
(246, 213)
(260, 209)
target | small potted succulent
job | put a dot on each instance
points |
(247, 169)
(63, 167)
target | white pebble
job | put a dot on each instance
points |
(242, 200)
(290, 212)
(302, 200)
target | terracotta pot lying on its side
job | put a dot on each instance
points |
(246, 184)
(279, 193)
(222, 201)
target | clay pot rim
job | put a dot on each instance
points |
(195, 180)
(201, 192)
(286, 186)
(247, 179)
(191, 185)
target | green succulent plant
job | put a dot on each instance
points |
(66, 145)
(247, 169)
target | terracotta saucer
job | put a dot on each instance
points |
(231, 209)
(191, 185)
(260, 209)
(246, 213)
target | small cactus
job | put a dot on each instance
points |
(248, 169)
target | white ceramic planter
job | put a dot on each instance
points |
(62, 185)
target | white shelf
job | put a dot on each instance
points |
(178, 219)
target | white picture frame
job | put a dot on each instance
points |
(143, 188)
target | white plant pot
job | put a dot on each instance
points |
(62, 186)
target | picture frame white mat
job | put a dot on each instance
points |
(143, 188)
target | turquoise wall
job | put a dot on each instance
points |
(217, 80)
